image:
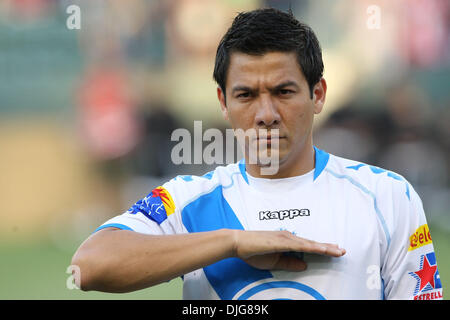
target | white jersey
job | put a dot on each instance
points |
(374, 214)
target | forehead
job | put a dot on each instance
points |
(270, 68)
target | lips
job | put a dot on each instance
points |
(265, 136)
(269, 140)
(269, 134)
(270, 137)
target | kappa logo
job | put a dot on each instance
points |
(283, 214)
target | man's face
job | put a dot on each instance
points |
(270, 92)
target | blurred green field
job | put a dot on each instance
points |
(38, 271)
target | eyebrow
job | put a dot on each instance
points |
(274, 89)
(285, 84)
(241, 88)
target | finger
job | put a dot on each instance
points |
(324, 249)
(311, 246)
(334, 246)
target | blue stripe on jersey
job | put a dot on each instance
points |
(212, 212)
(371, 194)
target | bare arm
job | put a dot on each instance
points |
(113, 260)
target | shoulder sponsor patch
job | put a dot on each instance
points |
(157, 205)
(420, 238)
(428, 285)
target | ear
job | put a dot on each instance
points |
(319, 95)
(223, 105)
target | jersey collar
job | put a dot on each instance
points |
(321, 160)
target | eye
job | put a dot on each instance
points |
(285, 92)
(243, 95)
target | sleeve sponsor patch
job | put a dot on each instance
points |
(428, 286)
(420, 238)
(157, 205)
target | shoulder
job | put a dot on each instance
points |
(374, 180)
(186, 188)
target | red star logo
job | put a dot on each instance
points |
(426, 274)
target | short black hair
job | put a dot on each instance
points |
(269, 30)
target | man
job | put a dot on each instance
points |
(320, 227)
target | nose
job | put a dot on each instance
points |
(267, 114)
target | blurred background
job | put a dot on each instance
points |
(86, 113)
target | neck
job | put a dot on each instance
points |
(295, 165)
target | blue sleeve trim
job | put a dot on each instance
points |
(113, 225)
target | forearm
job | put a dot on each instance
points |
(123, 261)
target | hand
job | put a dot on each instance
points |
(264, 249)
